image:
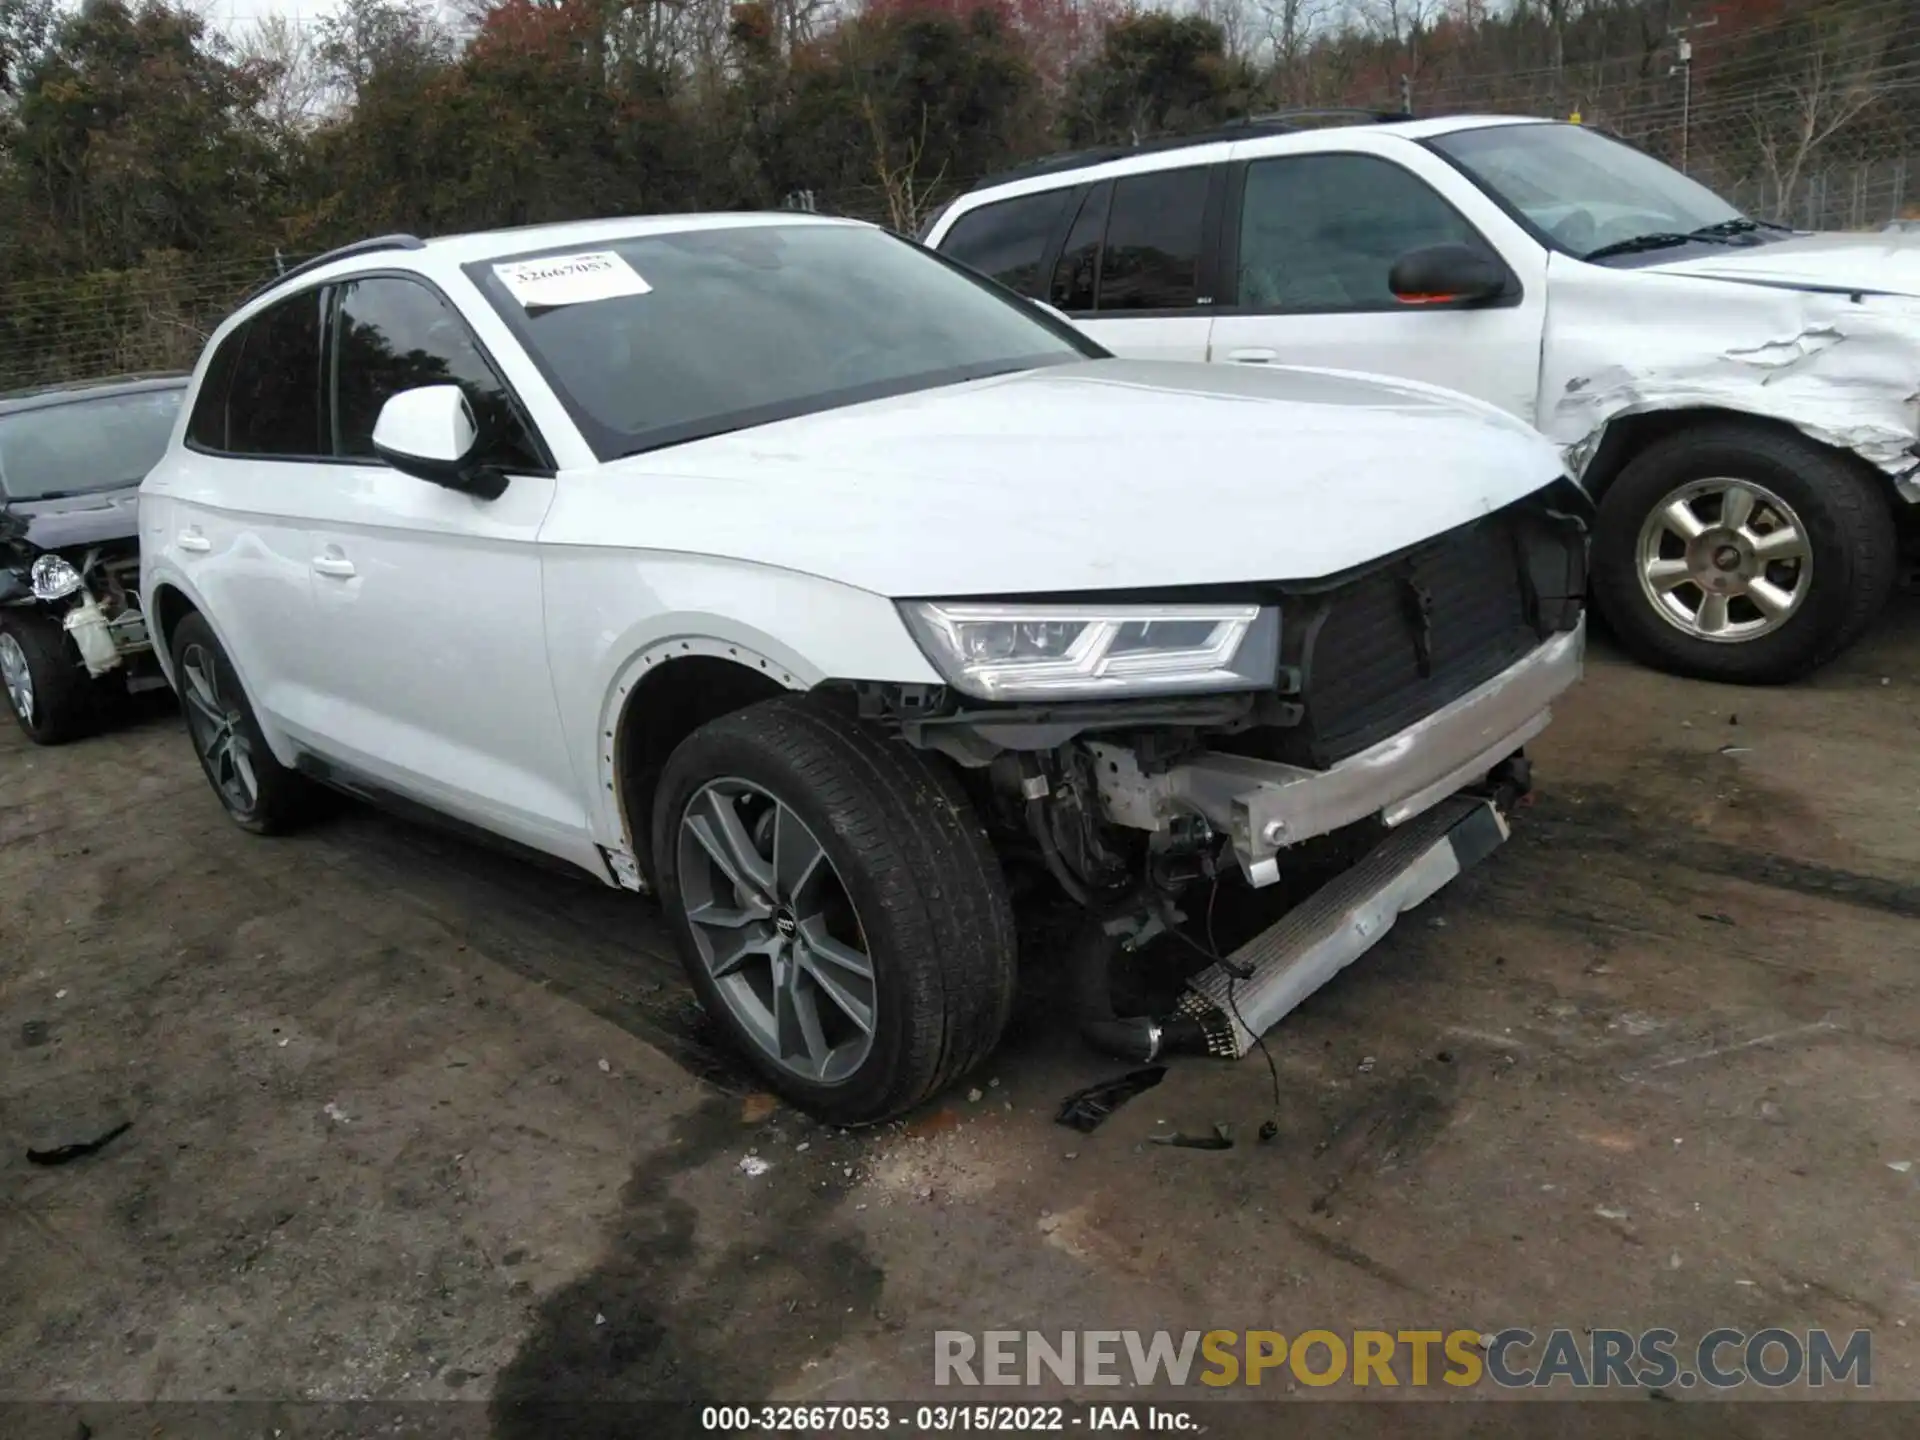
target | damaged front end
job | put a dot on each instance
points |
(72, 634)
(94, 597)
(1370, 725)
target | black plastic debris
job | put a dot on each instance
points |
(1220, 1139)
(1084, 1110)
(77, 1149)
(33, 1034)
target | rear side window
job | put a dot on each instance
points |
(395, 334)
(1321, 232)
(273, 405)
(1008, 241)
(1152, 259)
(207, 426)
(1076, 275)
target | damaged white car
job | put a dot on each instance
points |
(838, 597)
(1743, 401)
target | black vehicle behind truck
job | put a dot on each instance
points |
(72, 639)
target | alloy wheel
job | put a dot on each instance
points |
(18, 677)
(214, 719)
(1724, 560)
(776, 930)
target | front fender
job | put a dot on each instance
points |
(1838, 368)
(612, 615)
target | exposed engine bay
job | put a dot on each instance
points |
(93, 592)
(1390, 744)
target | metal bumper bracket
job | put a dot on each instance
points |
(1339, 923)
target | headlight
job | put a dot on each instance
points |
(1064, 652)
(53, 578)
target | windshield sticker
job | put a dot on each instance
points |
(570, 279)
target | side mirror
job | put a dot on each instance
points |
(1446, 274)
(429, 433)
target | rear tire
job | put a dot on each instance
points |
(258, 793)
(46, 687)
(906, 886)
(1819, 595)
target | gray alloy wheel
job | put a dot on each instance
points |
(1724, 560)
(776, 930)
(215, 720)
(18, 677)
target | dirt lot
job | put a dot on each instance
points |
(414, 1120)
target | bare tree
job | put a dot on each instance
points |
(907, 194)
(296, 92)
(1402, 24)
(1288, 28)
(1837, 78)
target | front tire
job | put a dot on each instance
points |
(838, 907)
(48, 690)
(1743, 554)
(258, 793)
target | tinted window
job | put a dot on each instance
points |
(1077, 274)
(273, 405)
(1009, 240)
(207, 426)
(1152, 260)
(395, 334)
(106, 443)
(1321, 232)
(660, 339)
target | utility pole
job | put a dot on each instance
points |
(1685, 67)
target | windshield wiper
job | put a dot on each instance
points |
(1720, 233)
(1633, 244)
(1738, 225)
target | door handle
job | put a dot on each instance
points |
(194, 541)
(1251, 357)
(335, 565)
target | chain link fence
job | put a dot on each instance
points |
(1750, 147)
(152, 318)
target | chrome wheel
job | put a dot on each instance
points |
(776, 930)
(18, 677)
(1724, 560)
(214, 719)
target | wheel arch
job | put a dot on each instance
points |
(169, 606)
(663, 695)
(1628, 435)
(171, 600)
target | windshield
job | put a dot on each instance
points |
(108, 442)
(668, 338)
(1583, 190)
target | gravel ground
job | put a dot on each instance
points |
(411, 1119)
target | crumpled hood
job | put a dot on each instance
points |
(1098, 475)
(93, 519)
(1886, 263)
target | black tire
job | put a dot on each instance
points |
(1851, 536)
(65, 703)
(914, 861)
(280, 798)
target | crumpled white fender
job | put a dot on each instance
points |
(1841, 367)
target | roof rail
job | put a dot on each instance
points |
(1277, 122)
(344, 252)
